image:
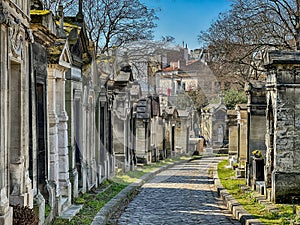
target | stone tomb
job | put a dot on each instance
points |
(256, 93)
(283, 123)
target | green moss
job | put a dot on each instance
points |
(69, 26)
(249, 202)
(47, 210)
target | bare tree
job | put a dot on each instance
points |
(113, 23)
(238, 39)
(69, 5)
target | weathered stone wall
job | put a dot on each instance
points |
(257, 133)
(15, 184)
(283, 149)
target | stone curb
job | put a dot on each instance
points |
(236, 209)
(111, 207)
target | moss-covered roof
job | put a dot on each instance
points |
(55, 51)
(69, 26)
(39, 12)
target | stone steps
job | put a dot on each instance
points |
(261, 199)
(70, 212)
(64, 203)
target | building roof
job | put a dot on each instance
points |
(183, 113)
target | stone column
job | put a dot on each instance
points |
(242, 122)
(102, 135)
(53, 182)
(5, 210)
(84, 140)
(92, 135)
(63, 154)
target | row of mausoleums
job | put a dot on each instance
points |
(70, 119)
(264, 133)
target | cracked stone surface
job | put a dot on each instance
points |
(183, 194)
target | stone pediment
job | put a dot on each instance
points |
(65, 57)
(59, 53)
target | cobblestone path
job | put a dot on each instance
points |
(183, 194)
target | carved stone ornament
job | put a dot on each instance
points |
(16, 39)
(4, 15)
(30, 36)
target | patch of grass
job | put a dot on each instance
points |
(47, 210)
(249, 202)
(227, 178)
(92, 202)
(133, 176)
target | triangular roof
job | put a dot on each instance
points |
(59, 53)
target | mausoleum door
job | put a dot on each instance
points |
(16, 157)
(102, 141)
(78, 153)
(270, 146)
(41, 133)
(173, 138)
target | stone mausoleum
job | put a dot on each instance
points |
(283, 125)
(15, 39)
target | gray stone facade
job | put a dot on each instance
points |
(15, 184)
(71, 143)
(65, 123)
(125, 94)
(283, 123)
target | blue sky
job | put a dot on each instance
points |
(184, 19)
